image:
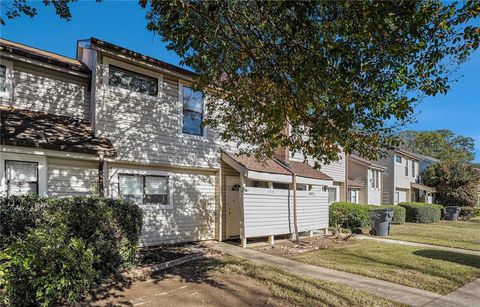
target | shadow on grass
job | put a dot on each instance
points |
(464, 259)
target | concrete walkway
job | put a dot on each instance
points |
(399, 293)
(423, 245)
(468, 295)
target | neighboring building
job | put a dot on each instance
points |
(365, 181)
(335, 170)
(401, 181)
(121, 124)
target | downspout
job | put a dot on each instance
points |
(346, 177)
(101, 187)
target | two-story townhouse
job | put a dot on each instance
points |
(336, 170)
(122, 124)
(401, 178)
(365, 181)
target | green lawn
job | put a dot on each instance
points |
(299, 290)
(422, 268)
(446, 233)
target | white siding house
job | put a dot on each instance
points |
(120, 124)
(366, 180)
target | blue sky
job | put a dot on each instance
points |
(123, 23)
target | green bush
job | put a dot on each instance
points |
(466, 213)
(46, 268)
(349, 215)
(422, 212)
(476, 212)
(398, 213)
(109, 229)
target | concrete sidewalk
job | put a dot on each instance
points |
(423, 245)
(399, 293)
(468, 295)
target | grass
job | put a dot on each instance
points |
(445, 233)
(299, 290)
(427, 269)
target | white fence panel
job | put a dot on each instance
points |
(270, 211)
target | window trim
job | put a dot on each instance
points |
(144, 185)
(115, 184)
(132, 73)
(122, 65)
(41, 171)
(7, 94)
(5, 172)
(401, 159)
(204, 135)
(407, 173)
(336, 194)
(413, 169)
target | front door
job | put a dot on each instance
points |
(232, 187)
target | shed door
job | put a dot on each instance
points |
(233, 206)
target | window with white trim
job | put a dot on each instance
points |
(398, 159)
(332, 195)
(21, 177)
(406, 167)
(397, 197)
(193, 111)
(132, 81)
(144, 189)
(413, 169)
(3, 78)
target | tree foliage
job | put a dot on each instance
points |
(456, 182)
(441, 144)
(337, 71)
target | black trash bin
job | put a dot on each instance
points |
(452, 212)
(380, 219)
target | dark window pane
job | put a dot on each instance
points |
(3, 78)
(192, 123)
(192, 100)
(132, 81)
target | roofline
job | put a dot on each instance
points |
(115, 48)
(367, 162)
(24, 53)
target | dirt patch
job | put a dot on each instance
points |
(155, 255)
(288, 248)
(192, 284)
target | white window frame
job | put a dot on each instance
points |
(401, 159)
(42, 170)
(106, 73)
(7, 94)
(406, 170)
(397, 197)
(413, 169)
(115, 181)
(336, 194)
(181, 84)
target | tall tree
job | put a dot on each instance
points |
(441, 144)
(337, 71)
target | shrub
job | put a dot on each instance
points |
(108, 229)
(349, 215)
(466, 213)
(47, 268)
(398, 213)
(476, 212)
(422, 212)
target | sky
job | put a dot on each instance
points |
(123, 23)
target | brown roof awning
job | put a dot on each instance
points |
(306, 170)
(48, 131)
(422, 187)
(252, 164)
(355, 183)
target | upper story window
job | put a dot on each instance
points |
(21, 177)
(3, 78)
(132, 81)
(193, 111)
(406, 167)
(144, 189)
(413, 168)
(398, 159)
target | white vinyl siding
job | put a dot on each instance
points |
(68, 177)
(41, 90)
(145, 129)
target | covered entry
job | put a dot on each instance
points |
(259, 197)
